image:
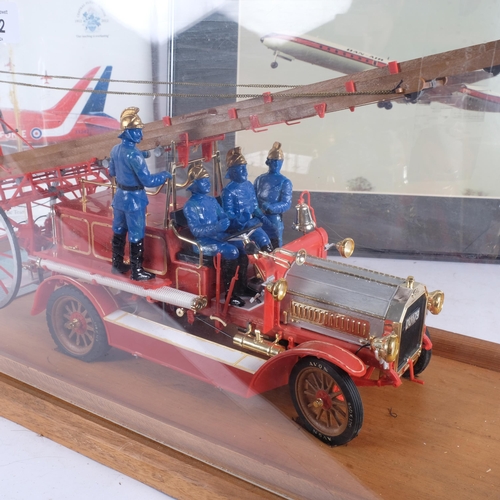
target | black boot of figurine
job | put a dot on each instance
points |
(118, 248)
(275, 243)
(228, 271)
(266, 248)
(136, 258)
(241, 287)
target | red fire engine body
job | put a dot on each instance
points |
(316, 324)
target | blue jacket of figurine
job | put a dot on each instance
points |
(274, 194)
(207, 223)
(240, 204)
(127, 164)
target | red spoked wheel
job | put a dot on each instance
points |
(327, 401)
(75, 325)
(10, 261)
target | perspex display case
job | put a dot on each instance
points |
(312, 387)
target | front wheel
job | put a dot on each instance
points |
(422, 362)
(75, 325)
(327, 401)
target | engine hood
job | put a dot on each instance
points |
(349, 288)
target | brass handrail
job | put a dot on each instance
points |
(95, 183)
(193, 242)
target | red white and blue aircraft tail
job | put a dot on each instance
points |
(79, 113)
(69, 100)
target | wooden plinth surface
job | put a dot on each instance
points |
(438, 440)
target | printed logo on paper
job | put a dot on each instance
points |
(92, 19)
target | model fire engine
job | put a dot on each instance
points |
(321, 326)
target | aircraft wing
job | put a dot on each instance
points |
(458, 94)
(388, 83)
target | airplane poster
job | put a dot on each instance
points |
(444, 145)
(85, 44)
(77, 114)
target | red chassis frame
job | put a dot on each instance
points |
(83, 230)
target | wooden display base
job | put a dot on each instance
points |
(439, 440)
(466, 349)
(128, 452)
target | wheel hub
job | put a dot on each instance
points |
(323, 400)
(76, 323)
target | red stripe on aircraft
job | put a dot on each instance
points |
(480, 95)
(332, 50)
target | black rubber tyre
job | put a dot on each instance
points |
(422, 362)
(274, 65)
(494, 70)
(75, 325)
(10, 262)
(384, 104)
(327, 401)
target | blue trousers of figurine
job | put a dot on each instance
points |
(133, 222)
(275, 229)
(212, 247)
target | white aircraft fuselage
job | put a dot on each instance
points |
(318, 52)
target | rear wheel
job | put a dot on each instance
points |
(327, 401)
(75, 325)
(10, 261)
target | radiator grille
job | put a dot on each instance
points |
(411, 331)
(329, 319)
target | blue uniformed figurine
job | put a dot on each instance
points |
(240, 203)
(274, 193)
(127, 164)
(208, 223)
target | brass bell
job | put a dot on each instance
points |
(303, 218)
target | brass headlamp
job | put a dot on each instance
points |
(435, 301)
(278, 289)
(345, 247)
(386, 348)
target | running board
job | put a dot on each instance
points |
(186, 341)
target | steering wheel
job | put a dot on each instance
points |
(244, 234)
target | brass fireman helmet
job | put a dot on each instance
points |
(235, 157)
(130, 118)
(196, 171)
(275, 153)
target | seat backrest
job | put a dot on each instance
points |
(179, 218)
